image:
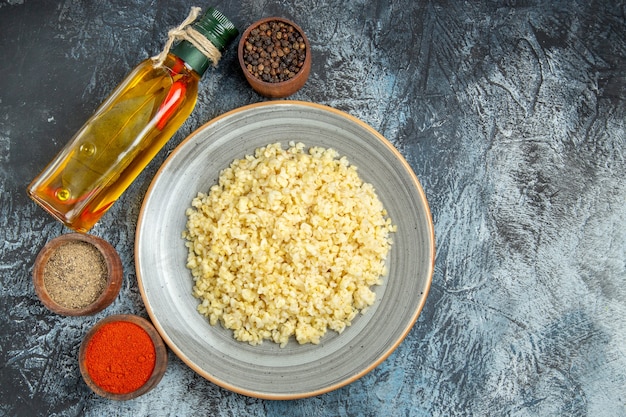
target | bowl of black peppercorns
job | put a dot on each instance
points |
(275, 57)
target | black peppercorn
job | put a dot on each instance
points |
(274, 52)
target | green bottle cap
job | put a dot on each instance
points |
(217, 29)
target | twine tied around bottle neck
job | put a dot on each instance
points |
(187, 33)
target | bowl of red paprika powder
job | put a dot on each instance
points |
(122, 357)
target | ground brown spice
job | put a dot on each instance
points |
(75, 275)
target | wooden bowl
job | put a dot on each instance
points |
(160, 359)
(113, 279)
(275, 89)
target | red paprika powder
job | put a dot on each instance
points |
(120, 357)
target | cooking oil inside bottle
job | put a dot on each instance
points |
(117, 142)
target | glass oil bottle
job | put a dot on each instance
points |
(127, 130)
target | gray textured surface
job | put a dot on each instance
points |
(511, 113)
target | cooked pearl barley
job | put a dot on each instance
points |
(287, 243)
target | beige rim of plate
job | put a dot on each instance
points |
(296, 371)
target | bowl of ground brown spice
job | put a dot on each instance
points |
(275, 56)
(77, 274)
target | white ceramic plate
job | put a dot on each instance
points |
(295, 371)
